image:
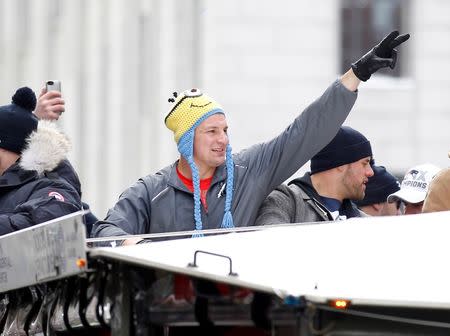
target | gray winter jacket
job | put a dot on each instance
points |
(31, 190)
(162, 203)
(298, 202)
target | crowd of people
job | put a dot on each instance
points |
(209, 186)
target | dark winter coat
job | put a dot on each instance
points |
(68, 173)
(31, 191)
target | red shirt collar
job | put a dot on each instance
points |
(204, 184)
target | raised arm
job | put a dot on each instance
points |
(278, 206)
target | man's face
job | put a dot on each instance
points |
(355, 178)
(391, 209)
(413, 208)
(210, 142)
(7, 159)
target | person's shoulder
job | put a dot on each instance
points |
(54, 179)
(247, 153)
(282, 193)
(53, 185)
(297, 191)
(161, 176)
(152, 183)
(68, 172)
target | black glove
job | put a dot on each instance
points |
(381, 56)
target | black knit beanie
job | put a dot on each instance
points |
(17, 120)
(346, 147)
(379, 187)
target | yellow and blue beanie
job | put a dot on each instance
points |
(190, 109)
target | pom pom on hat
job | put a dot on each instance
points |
(17, 121)
(25, 98)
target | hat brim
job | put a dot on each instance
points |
(407, 195)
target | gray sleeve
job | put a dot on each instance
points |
(277, 208)
(276, 160)
(130, 215)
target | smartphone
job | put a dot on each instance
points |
(53, 85)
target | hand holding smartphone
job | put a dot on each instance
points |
(50, 106)
(53, 85)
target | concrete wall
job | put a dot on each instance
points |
(119, 61)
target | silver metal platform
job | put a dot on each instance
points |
(49, 251)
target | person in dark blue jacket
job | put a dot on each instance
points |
(31, 153)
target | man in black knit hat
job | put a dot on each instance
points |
(29, 153)
(339, 173)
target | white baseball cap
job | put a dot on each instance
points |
(415, 184)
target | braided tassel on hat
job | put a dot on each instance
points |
(227, 221)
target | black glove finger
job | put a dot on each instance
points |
(399, 40)
(394, 58)
(386, 42)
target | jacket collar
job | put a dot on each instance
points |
(46, 148)
(173, 180)
(219, 175)
(16, 176)
(348, 208)
(305, 183)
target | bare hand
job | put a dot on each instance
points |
(131, 241)
(50, 105)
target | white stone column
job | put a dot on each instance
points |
(93, 156)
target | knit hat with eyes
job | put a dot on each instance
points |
(190, 109)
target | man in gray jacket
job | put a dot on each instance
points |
(339, 173)
(209, 187)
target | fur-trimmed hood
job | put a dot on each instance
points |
(46, 148)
